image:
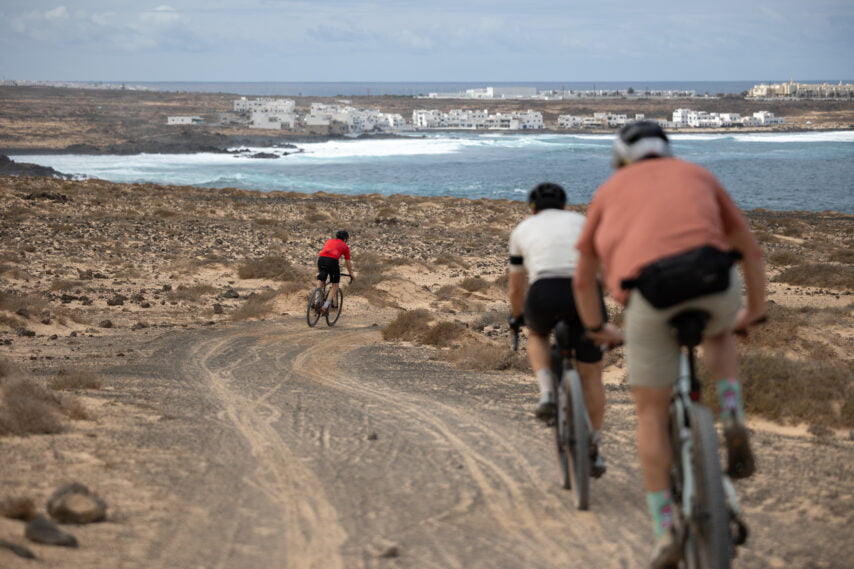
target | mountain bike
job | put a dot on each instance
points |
(316, 300)
(575, 451)
(708, 516)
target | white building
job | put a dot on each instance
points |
(264, 105)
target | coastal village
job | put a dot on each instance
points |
(341, 118)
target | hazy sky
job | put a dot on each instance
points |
(426, 40)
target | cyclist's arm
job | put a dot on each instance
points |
(516, 291)
(588, 303)
(350, 269)
(753, 269)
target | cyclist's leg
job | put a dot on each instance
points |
(540, 318)
(334, 269)
(594, 391)
(652, 355)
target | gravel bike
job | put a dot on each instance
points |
(575, 451)
(316, 300)
(708, 516)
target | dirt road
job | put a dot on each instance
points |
(273, 445)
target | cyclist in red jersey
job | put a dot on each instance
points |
(328, 265)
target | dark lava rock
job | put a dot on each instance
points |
(42, 530)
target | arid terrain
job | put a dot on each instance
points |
(153, 347)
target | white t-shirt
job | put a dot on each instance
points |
(545, 242)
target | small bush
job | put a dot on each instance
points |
(488, 357)
(269, 267)
(502, 281)
(75, 379)
(444, 334)
(191, 293)
(843, 256)
(819, 275)
(784, 257)
(29, 409)
(474, 284)
(408, 326)
(256, 306)
(447, 292)
(22, 508)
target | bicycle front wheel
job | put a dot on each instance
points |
(563, 432)
(334, 311)
(579, 441)
(708, 543)
(315, 302)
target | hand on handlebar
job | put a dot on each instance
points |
(516, 322)
(609, 337)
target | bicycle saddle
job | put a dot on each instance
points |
(689, 325)
(562, 334)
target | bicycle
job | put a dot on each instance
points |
(317, 298)
(572, 422)
(707, 511)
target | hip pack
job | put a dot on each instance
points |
(685, 276)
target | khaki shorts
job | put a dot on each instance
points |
(652, 352)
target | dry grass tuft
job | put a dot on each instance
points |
(23, 509)
(67, 380)
(256, 306)
(784, 257)
(474, 284)
(192, 293)
(270, 267)
(444, 334)
(29, 409)
(819, 275)
(479, 356)
(409, 326)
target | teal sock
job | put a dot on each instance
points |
(729, 397)
(661, 509)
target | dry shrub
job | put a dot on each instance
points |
(502, 280)
(409, 325)
(474, 284)
(66, 380)
(444, 334)
(447, 292)
(12, 301)
(191, 293)
(164, 213)
(449, 260)
(816, 391)
(29, 409)
(371, 272)
(64, 284)
(23, 508)
(845, 255)
(784, 257)
(256, 306)
(819, 275)
(476, 356)
(270, 267)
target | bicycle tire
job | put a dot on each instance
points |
(562, 432)
(708, 543)
(334, 311)
(315, 300)
(579, 441)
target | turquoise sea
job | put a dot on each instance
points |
(811, 171)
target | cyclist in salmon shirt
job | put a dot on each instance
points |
(328, 265)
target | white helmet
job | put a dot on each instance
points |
(638, 140)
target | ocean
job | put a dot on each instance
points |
(810, 171)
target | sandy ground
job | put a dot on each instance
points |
(227, 433)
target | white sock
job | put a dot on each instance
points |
(544, 379)
(327, 303)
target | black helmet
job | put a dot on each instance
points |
(547, 195)
(342, 235)
(639, 140)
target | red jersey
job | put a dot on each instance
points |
(335, 248)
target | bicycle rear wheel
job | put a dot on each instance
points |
(334, 311)
(579, 440)
(315, 302)
(708, 543)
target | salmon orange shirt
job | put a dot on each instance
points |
(654, 209)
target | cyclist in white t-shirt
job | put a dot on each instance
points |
(542, 262)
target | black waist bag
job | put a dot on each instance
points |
(688, 275)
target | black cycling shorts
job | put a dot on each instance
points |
(548, 302)
(328, 267)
